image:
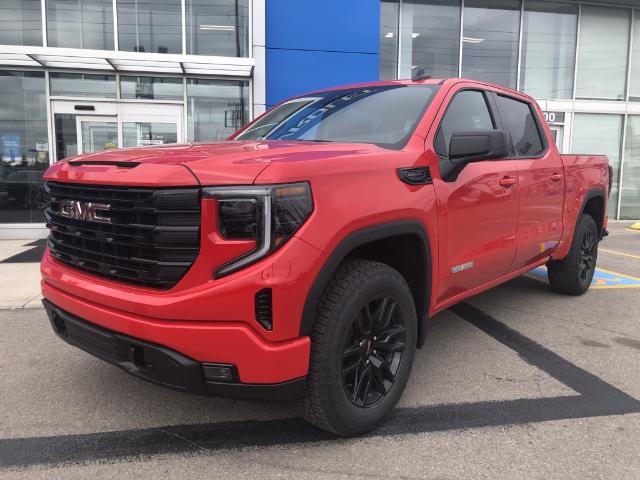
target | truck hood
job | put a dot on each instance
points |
(220, 163)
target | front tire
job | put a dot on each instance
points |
(362, 348)
(573, 275)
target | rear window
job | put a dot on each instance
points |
(520, 122)
(384, 115)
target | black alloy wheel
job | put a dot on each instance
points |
(587, 263)
(373, 352)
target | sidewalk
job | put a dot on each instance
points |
(20, 273)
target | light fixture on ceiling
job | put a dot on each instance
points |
(389, 35)
(221, 28)
(472, 40)
(415, 35)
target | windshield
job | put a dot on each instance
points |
(383, 115)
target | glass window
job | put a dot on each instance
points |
(520, 122)
(389, 39)
(151, 88)
(385, 116)
(596, 133)
(142, 134)
(82, 85)
(66, 135)
(467, 111)
(630, 194)
(603, 52)
(634, 87)
(80, 24)
(547, 73)
(430, 37)
(24, 146)
(217, 28)
(216, 108)
(20, 22)
(152, 26)
(490, 41)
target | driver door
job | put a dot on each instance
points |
(478, 210)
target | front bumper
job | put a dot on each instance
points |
(161, 365)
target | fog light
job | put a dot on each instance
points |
(219, 373)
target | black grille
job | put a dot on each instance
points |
(152, 239)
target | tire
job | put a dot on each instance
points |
(573, 274)
(345, 348)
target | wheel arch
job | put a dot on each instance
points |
(594, 205)
(373, 243)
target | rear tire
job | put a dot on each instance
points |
(362, 348)
(573, 275)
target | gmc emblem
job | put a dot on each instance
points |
(85, 211)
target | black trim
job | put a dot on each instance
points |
(357, 239)
(415, 176)
(160, 365)
(594, 193)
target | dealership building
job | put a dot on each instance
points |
(90, 75)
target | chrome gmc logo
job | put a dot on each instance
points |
(86, 211)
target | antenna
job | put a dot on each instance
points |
(418, 73)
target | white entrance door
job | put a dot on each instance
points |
(145, 125)
(96, 134)
(84, 126)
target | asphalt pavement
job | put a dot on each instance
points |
(516, 383)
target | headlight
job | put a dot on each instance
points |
(268, 214)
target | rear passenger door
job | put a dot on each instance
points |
(540, 179)
(477, 210)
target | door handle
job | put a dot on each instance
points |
(556, 177)
(507, 182)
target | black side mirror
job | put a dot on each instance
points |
(474, 146)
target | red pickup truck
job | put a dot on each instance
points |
(301, 258)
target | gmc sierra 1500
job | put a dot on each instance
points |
(301, 258)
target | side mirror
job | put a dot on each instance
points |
(474, 146)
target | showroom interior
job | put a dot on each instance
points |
(89, 75)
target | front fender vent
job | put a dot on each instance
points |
(264, 308)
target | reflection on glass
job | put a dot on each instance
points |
(150, 26)
(24, 146)
(601, 134)
(66, 135)
(216, 108)
(430, 37)
(80, 24)
(82, 85)
(630, 194)
(634, 86)
(490, 41)
(388, 39)
(603, 52)
(151, 88)
(98, 136)
(547, 73)
(217, 28)
(144, 134)
(20, 22)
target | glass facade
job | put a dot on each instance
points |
(24, 145)
(80, 24)
(151, 88)
(152, 26)
(215, 108)
(20, 22)
(603, 53)
(579, 59)
(548, 72)
(490, 41)
(217, 28)
(82, 85)
(430, 37)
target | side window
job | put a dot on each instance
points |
(467, 111)
(520, 123)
